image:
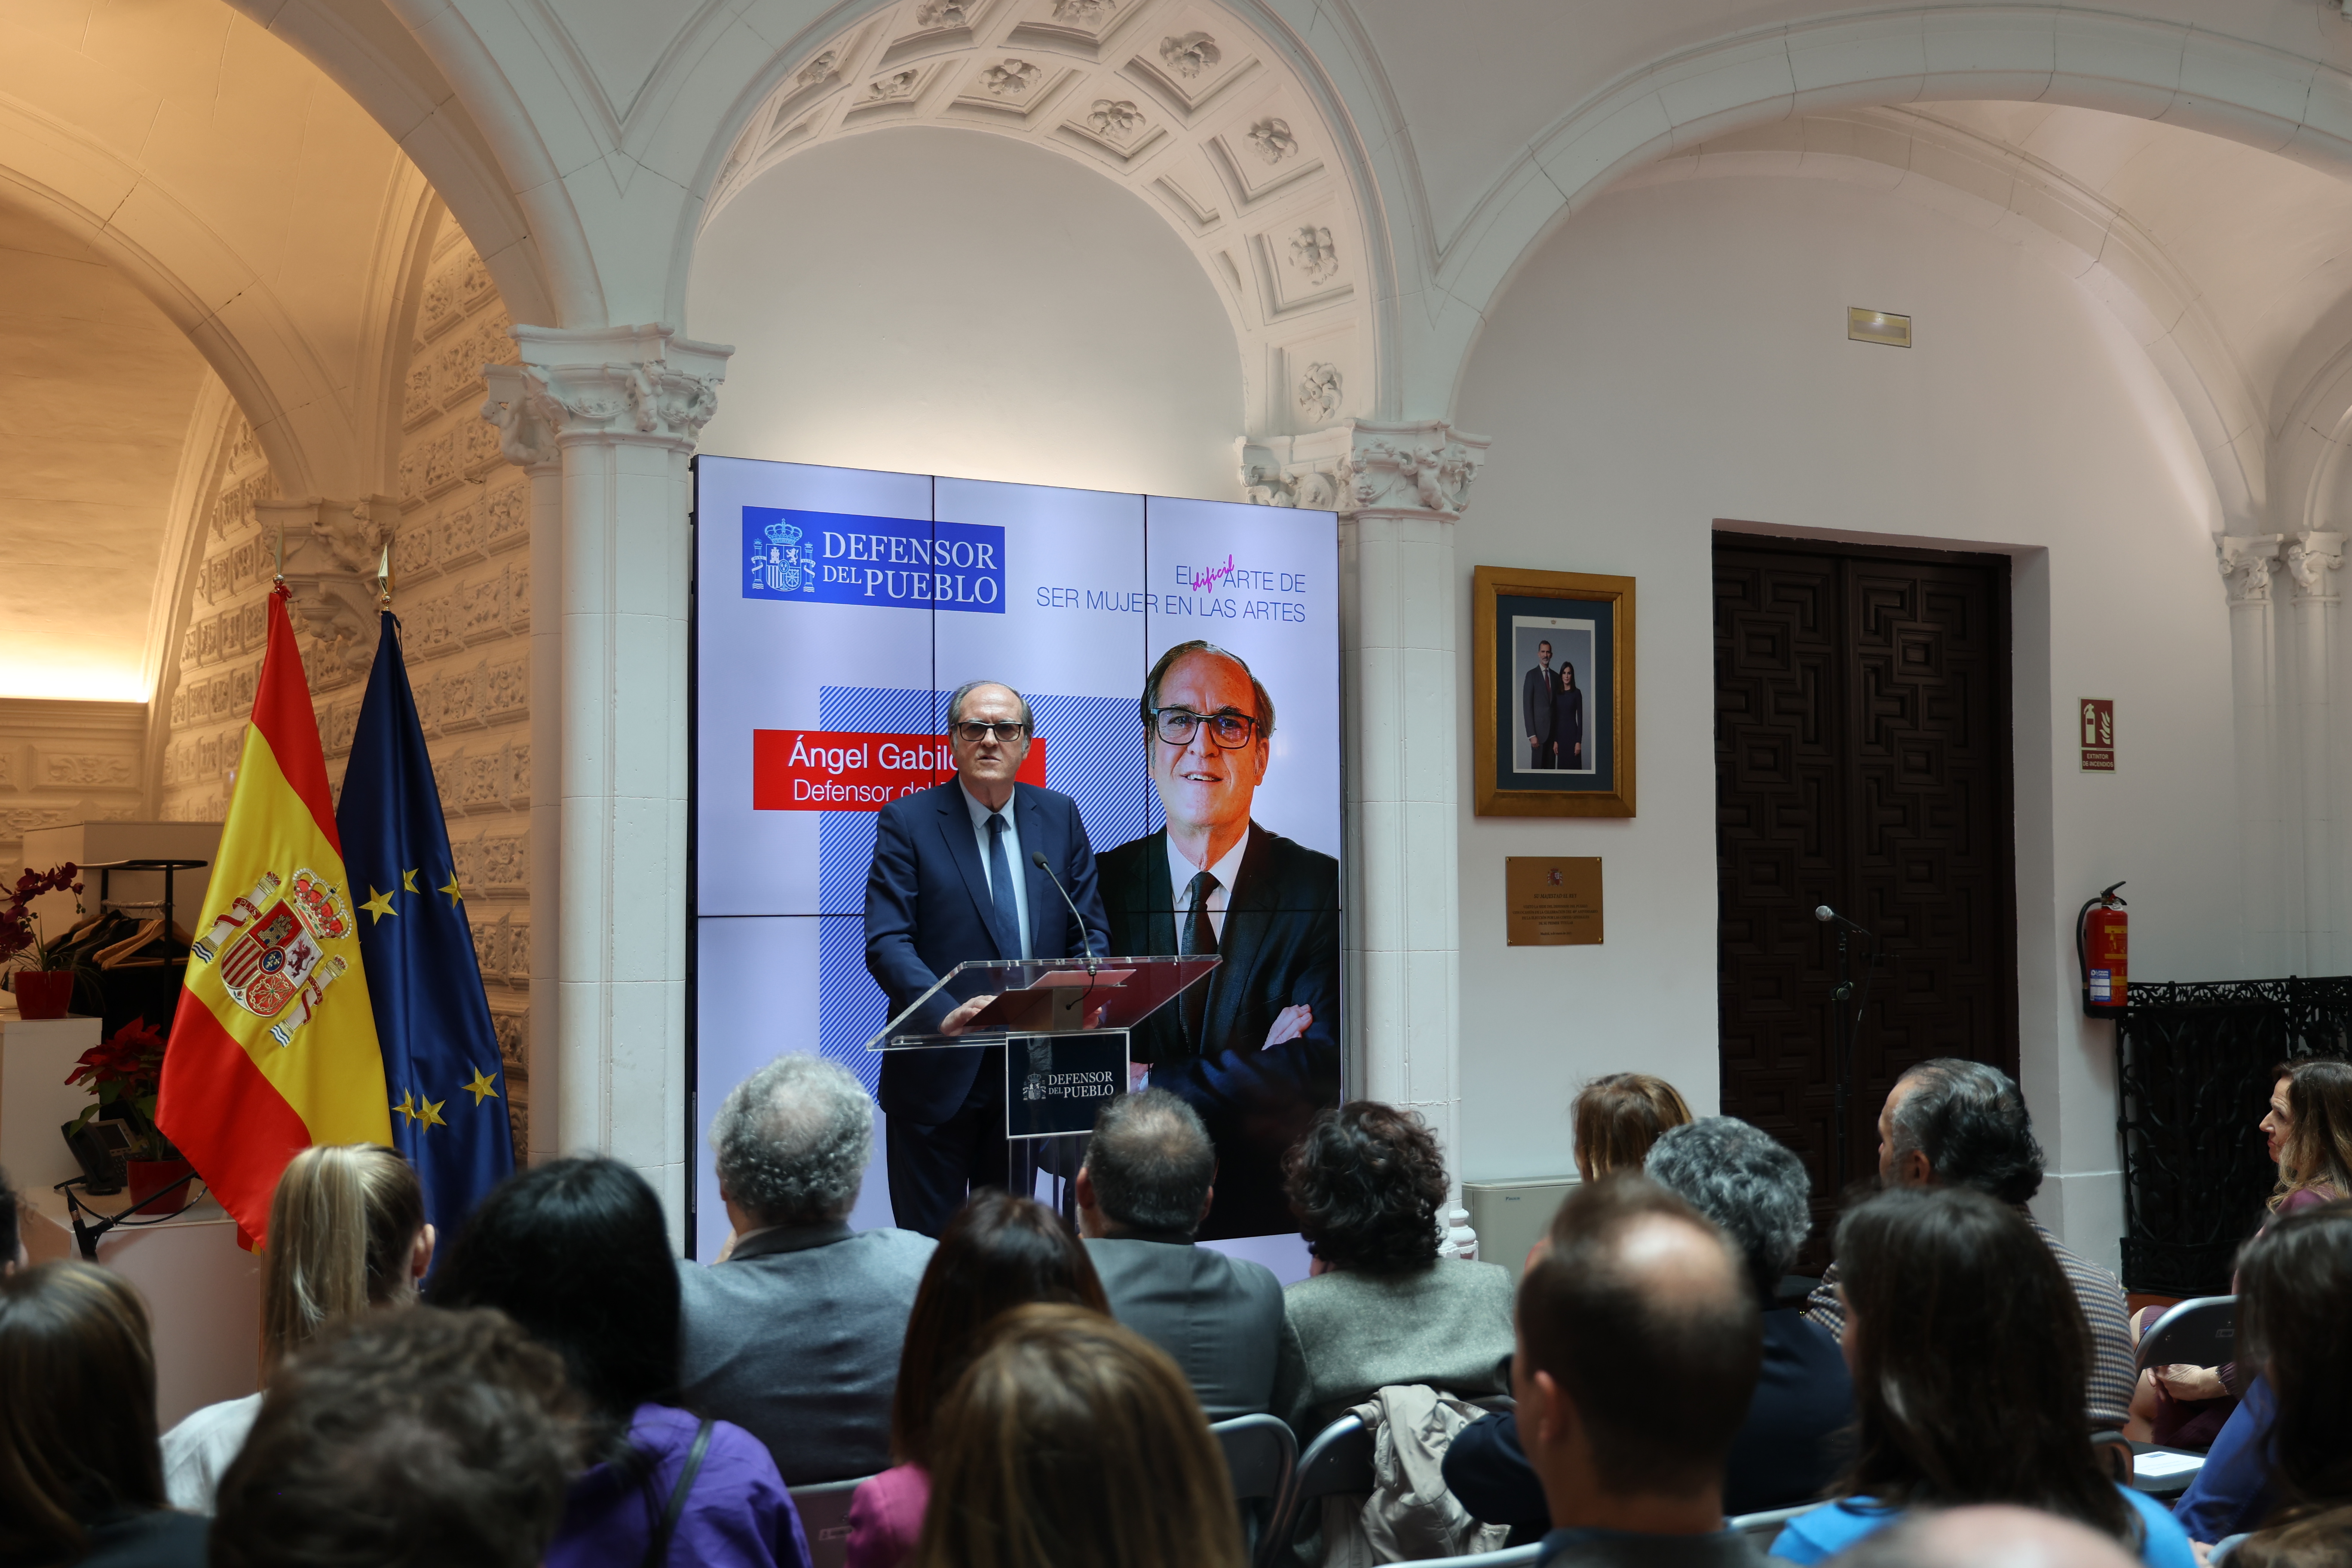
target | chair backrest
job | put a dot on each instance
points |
(2200, 1331)
(825, 1519)
(1767, 1524)
(1507, 1558)
(1339, 1460)
(1261, 1454)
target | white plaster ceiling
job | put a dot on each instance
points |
(2267, 242)
(96, 392)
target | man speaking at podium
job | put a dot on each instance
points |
(952, 881)
(1254, 1048)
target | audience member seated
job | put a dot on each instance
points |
(1638, 1345)
(1992, 1535)
(1381, 1308)
(1968, 1353)
(1788, 1450)
(80, 1477)
(795, 1336)
(2295, 1296)
(347, 1232)
(999, 1252)
(577, 1253)
(1953, 1124)
(1618, 1116)
(2307, 1128)
(2308, 1541)
(401, 1440)
(1145, 1185)
(1072, 1442)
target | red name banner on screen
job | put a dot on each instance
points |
(833, 769)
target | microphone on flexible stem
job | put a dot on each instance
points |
(1085, 937)
(1825, 914)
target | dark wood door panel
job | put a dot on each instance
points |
(1862, 759)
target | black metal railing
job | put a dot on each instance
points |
(2193, 1065)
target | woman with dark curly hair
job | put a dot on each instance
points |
(1379, 1307)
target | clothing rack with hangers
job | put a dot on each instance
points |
(167, 865)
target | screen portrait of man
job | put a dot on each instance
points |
(1254, 1048)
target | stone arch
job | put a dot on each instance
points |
(1913, 155)
(2248, 92)
(1183, 102)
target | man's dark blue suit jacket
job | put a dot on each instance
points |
(928, 909)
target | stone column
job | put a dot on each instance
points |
(623, 406)
(2246, 562)
(1399, 490)
(2313, 559)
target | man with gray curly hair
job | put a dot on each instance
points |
(795, 1334)
(1787, 1452)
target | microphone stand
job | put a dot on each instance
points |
(86, 1235)
(1841, 1049)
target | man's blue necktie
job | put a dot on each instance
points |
(1000, 888)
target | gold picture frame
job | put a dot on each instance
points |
(1584, 621)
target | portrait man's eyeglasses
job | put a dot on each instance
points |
(973, 731)
(1176, 725)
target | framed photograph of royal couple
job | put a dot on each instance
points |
(1552, 689)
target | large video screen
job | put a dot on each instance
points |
(835, 611)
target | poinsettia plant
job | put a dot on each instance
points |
(125, 1071)
(20, 933)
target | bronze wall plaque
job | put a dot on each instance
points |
(1549, 902)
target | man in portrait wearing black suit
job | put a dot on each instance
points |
(1254, 1048)
(952, 880)
(1539, 702)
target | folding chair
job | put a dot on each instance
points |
(1262, 1456)
(1767, 1524)
(1506, 1558)
(1339, 1460)
(825, 1519)
(2200, 1331)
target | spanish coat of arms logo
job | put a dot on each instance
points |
(271, 950)
(784, 567)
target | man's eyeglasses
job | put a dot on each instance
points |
(973, 731)
(1176, 725)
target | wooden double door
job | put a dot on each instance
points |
(1862, 761)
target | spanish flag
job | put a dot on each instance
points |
(274, 1046)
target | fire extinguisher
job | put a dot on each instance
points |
(2102, 940)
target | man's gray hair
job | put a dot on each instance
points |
(1153, 1163)
(1746, 1181)
(793, 1140)
(955, 704)
(1971, 1121)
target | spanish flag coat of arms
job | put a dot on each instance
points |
(274, 1046)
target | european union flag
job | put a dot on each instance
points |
(441, 1066)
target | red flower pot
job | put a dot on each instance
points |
(42, 994)
(148, 1177)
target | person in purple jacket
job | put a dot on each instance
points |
(577, 1254)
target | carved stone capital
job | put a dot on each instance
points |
(584, 384)
(2245, 562)
(1359, 467)
(2312, 560)
(331, 552)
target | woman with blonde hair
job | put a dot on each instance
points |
(1618, 1116)
(347, 1232)
(1072, 1442)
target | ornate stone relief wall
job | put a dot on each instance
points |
(65, 761)
(458, 526)
(1176, 99)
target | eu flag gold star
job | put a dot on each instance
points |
(450, 888)
(407, 1107)
(408, 882)
(429, 1112)
(481, 1088)
(380, 905)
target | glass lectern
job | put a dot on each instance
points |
(1064, 1023)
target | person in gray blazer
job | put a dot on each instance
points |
(1381, 1307)
(1143, 1192)
(793, 1334)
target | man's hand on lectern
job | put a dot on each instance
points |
(961, 1019)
